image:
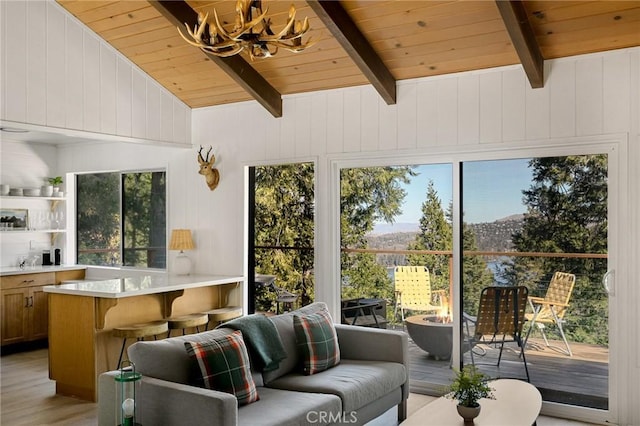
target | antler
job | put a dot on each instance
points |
(253, 34)
(200, 158)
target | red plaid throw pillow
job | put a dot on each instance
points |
(223, 365)
(317, 341)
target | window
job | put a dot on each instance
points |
(121, 219)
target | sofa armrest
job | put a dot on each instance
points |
(169, 403)
(376, 344)
(372, 344)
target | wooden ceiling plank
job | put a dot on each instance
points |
(133, 29)
(336, 19)
(609, 21)
(557, 11)
(180, 13)
(112, 12)
(524, 41)
(79, 7)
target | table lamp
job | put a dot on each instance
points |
(181, 240)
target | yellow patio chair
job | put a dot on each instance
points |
(413, 291)
(501, 315)
(551, 308)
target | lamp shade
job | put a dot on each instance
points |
(181, 240)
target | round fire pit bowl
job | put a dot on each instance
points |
(431, 335)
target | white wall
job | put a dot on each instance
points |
(55, 72)
(26, 166)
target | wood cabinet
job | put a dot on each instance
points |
(24, 306)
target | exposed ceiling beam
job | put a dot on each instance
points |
(523, 39)
(336, 19)
(179, 13)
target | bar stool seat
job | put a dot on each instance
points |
(187, 321)
(139, 332)
(220, 315)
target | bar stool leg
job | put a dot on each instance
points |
(124, 341)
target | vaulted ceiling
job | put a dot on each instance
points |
(359, 42)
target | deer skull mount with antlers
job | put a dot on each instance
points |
(210, 173)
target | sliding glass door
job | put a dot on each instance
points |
(476, 221)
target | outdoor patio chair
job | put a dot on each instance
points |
(363, 312)
(500, 319)
(413, 291)
(551, 308)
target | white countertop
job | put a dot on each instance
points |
(136, 286)
(14, 270)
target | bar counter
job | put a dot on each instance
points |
(82, 315)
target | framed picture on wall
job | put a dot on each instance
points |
(13, 219)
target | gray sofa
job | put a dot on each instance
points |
(371, 378)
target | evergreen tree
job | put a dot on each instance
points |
(284, 216)
(367, 195)
(436, 233)
(567, 213)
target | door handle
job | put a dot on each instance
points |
(31, 301)
(609, 281)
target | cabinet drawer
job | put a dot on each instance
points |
(27, 280)
(76, 274)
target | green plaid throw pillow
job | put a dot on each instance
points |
(317, 341)
(223, 365)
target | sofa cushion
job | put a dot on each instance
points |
(288, 408)
(284, 325)
(356, 382)
(317, 341)
(167, 359)
(223, 364)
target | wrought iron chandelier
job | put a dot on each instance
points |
(253, 35)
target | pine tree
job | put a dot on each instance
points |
(567, 213)
(367, 195)
(435, 234)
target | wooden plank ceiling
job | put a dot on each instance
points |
(406, 39)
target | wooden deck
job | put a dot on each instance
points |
(578, 380)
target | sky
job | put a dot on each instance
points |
(491, 189)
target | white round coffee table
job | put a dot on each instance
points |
(517, 403)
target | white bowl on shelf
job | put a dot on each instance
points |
(31, 192)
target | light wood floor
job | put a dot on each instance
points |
(28, 397)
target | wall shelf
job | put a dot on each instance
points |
(53, 204)
(53, 201)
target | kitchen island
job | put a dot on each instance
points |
(82, 315)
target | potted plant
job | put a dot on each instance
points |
(55, 182)
(468, 387)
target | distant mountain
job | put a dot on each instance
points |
(496, 236)
(392, 228)
(490, 236)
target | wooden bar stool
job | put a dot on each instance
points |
(220, 315)
(187, 321)
(138, 332)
